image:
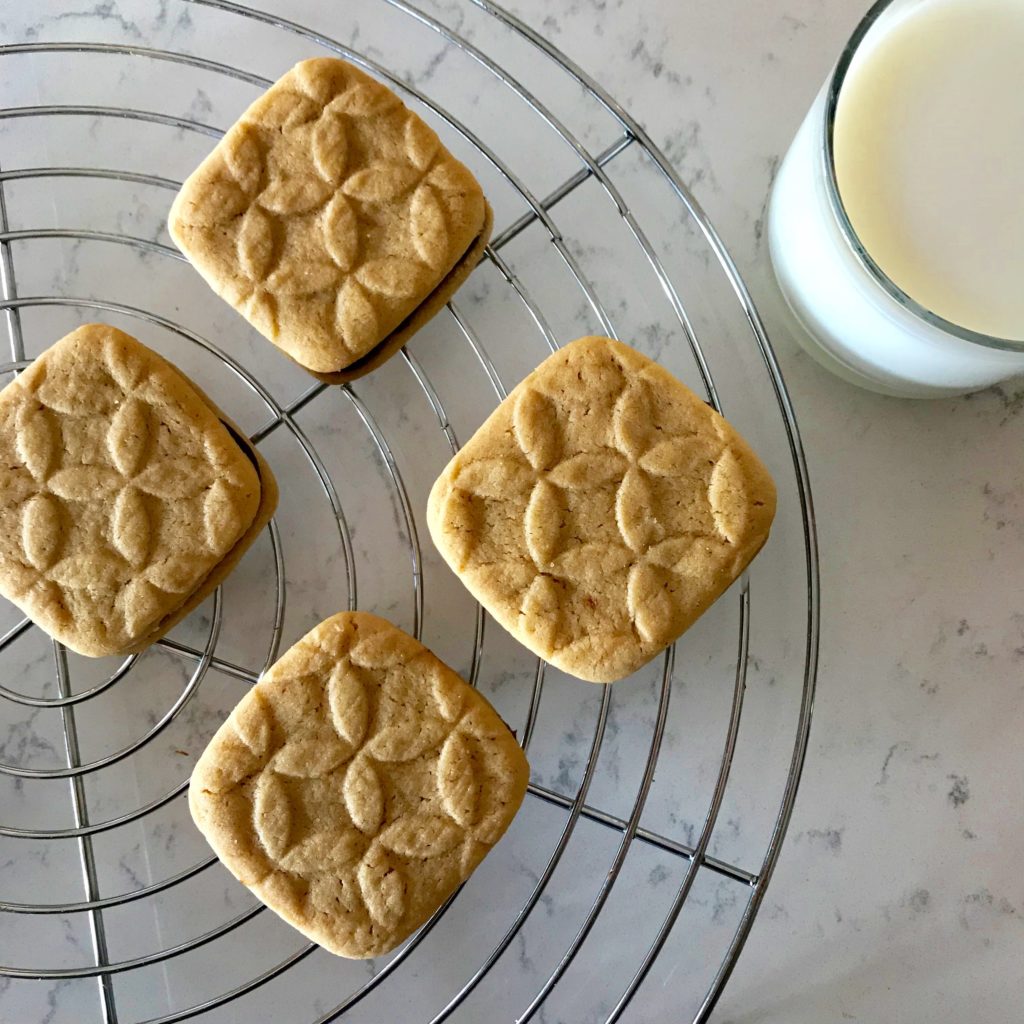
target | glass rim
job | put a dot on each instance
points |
(850, 235)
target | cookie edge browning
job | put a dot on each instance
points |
(757, 481)
(220, 841)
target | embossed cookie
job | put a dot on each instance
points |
(357, 785)
(601, 509)
(332, 218)
(126, 496)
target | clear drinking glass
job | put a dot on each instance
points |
(858, 322)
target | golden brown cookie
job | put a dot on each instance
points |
(357, 785)
(332, 218)
(125, 495)
(601, 509)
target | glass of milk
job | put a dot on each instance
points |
(896, 223)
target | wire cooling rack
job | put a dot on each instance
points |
(630, 881)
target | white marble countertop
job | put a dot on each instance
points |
(897, 896)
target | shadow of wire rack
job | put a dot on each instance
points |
(628, 884)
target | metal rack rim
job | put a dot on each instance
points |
(632, 135)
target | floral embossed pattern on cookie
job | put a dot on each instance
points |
(328, 214)
(601, 509)
(357, 785)
(120, 491)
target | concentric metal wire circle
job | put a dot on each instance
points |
(283, 417)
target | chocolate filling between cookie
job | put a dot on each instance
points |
(427, 309)
(244, 447)
(220, 570)
(365, 363)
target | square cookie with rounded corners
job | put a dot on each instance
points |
(357, 785)
(332, 218)
(601, 509)
(125, 495)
